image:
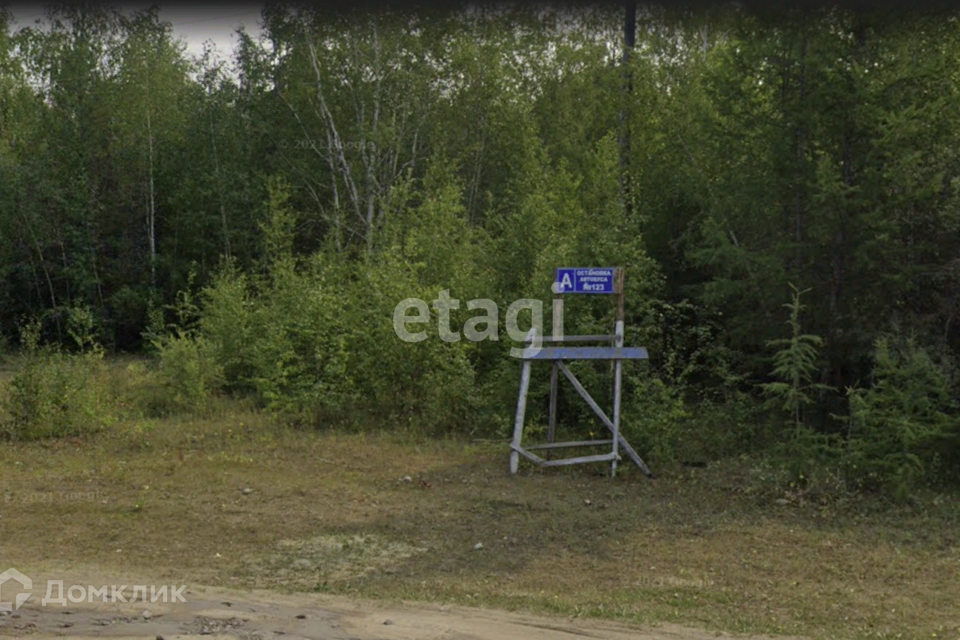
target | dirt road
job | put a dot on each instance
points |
(260, 615)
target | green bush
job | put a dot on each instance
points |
(725, 426)
(900, 427)
(428, 386)
(655, 419)
(228, 322)
(719, 417)
(313, 339)
(280, 338)
(54, 394)
(188, 374)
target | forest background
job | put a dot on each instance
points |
(781, 186)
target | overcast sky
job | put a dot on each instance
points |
(194, 24)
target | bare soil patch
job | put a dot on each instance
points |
(261, 615)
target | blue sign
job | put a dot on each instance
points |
(586, 280)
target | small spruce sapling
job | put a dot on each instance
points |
(795, 364)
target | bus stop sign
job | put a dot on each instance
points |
(585, 280)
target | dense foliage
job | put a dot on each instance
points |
(781, 186)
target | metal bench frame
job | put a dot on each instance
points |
(616, 353)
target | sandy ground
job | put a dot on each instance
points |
(261, 615)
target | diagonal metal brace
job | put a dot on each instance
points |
(631, 453)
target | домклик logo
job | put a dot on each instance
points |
(25, 582)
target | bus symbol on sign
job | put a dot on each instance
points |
(585, 280)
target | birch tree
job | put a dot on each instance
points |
(357, 89)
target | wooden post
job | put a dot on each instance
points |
(616, 402)
(618, 279)
(521, 408)
(618, 292)
(555, 370)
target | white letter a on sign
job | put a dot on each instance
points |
(565, 283)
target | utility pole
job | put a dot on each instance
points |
(629, 40)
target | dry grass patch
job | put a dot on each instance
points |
(310, 564)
